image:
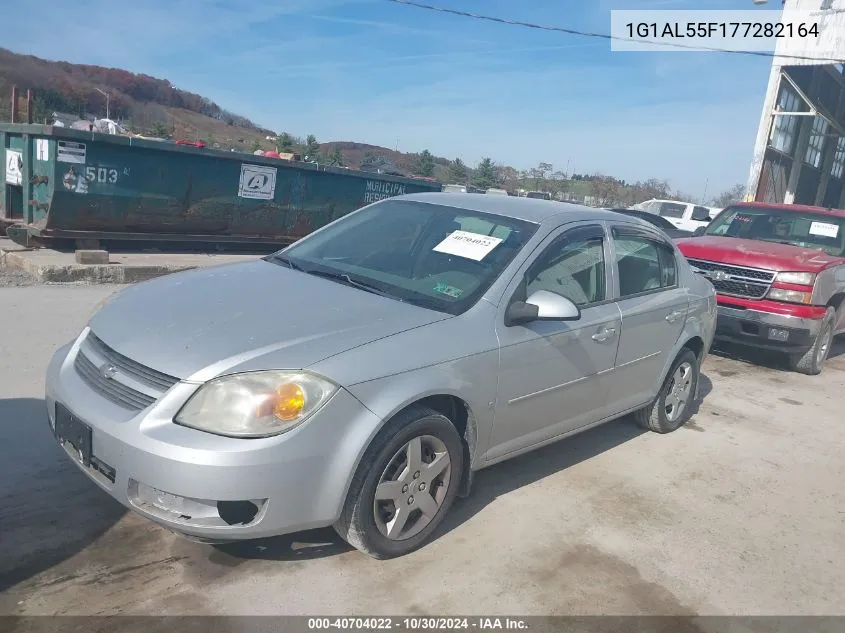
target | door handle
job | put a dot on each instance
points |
(604, 335)
(675, 315)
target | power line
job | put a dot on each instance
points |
(607, 36)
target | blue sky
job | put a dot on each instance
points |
(376, 72)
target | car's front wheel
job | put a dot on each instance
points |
(405, 484)
(674, 403)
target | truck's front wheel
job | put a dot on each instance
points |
(812, 361)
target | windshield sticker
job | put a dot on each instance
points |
(824, 229)
(449, 291)
(468, 245)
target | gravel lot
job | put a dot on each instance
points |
(740, 512)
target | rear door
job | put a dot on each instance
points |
(653, 308)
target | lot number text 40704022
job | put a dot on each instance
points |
(421, 623)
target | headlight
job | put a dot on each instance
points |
(790, 296)
(255, 404)
(803, 279)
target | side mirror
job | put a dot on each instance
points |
(699, 231)
(542, 305)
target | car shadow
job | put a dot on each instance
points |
(489, 484)
(766, 358)
(49, 510)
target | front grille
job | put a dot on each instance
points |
(151, 377)
(737, 281)
(128, 384)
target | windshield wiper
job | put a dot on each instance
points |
(346, 279)
(286, 260)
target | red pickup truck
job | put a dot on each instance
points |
(779, 274)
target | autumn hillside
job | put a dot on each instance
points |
(149, 105)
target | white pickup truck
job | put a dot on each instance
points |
(686, 216)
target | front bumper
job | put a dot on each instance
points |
(765, 330)
(196, 483)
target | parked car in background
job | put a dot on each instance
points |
(539, 195)
(779, 274)
(660, 222)
(358, 377)
(683, 215)
(496, 192)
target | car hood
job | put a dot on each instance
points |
(755, 254)
(255, 315)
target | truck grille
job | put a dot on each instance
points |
(737, 281)
(118, 378)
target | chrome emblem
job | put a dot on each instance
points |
(108, 371)
(719, 275)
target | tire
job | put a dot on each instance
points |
(365, 523)
(655, 416)
(812, 361)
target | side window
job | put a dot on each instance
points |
(700, 214)
(572, 266)
(672, 209)
(644, 264)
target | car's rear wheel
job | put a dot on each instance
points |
(674, 403)
(404, 486)
(812, 361)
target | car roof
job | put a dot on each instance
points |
(791, 207)
(527, 209)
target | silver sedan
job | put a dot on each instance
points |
(359, 377)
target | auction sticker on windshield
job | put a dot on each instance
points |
(824, 229)
(468, 245)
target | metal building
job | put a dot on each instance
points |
(799, 156)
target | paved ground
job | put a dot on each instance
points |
(741, 512)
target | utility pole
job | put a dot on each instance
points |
(106, 95)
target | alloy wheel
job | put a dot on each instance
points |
(412, 488)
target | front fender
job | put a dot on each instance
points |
(470, 379)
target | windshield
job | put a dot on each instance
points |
(816, 231)
(437, 257)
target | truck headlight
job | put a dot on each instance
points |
(255, 404)
(790, 296)
(803, 279)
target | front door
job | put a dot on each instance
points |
(553, 374)
(653, 308)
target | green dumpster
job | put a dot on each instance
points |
(70, 184)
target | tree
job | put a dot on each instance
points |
(425, 164)
(540, 172)
(485, 174)
(372, 162)
(458, 172)
(336, 157)
(311, 147)
(159, 130)
(506, 177)
(605, 189)
(255, 146)
(284, 143)
(726, 198)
